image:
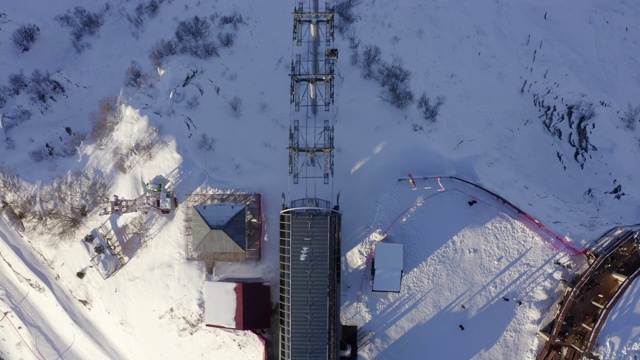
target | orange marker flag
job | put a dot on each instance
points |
(413, 182)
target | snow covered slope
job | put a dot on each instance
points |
(477, 283)
(221, 122)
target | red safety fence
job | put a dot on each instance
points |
(522, 217)
(5, 316)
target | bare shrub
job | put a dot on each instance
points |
(20, 199)
(234, 20)
(346, 17)
(19, 196)
(263, 107)
(394, 72)
(10, 216)
(41, 154)
(106, 120)
(82, 23)
(42, 87)
(71, 144)
(192, 37)
(209, 49)
(370, 61)
(15, 117)
(17, 83)
(428, 109)
(150, 10)
(354, 46)
(25, 36)
(631, 117)
(137, 18)
(226, 39)
(63, 224)
(68, 201)
(122, 159)
(206, 143)
(10, 182)
(394, 80)
(134, 76)
(138, 228)
(398, 95)
(9, 142)
(27, 208)
(236, 107)
(145, 148)
(161, 50)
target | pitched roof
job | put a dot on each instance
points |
(219, 228)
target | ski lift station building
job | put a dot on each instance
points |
(309, 280)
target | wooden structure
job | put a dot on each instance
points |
(588, 301)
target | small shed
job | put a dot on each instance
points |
(388, 266)
(237, 305)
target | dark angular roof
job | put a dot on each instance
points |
(309, 283)
(219, 228)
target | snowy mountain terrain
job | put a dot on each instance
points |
(537, 101)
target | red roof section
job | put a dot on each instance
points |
(253, 309)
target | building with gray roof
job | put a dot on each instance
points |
(309, 309)
(223, 227)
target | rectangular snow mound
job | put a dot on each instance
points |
(387, 263)
(220, 304)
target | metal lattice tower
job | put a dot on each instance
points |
(310, 227)
(311, 141)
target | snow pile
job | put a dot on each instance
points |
(220, 302)
(387, 266)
